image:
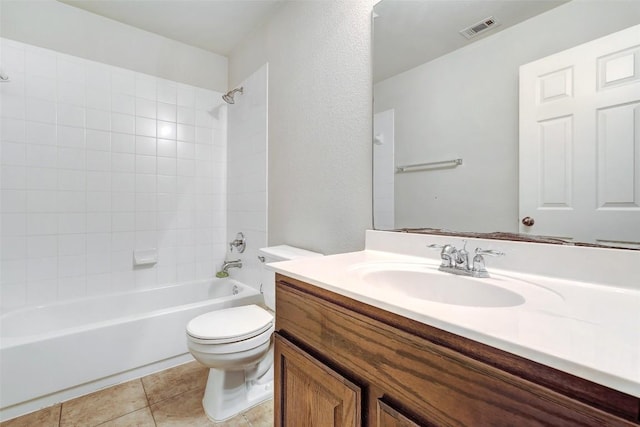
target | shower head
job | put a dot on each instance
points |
(228, 97)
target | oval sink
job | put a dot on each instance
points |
(427, 283)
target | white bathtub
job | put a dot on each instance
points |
(52, 353)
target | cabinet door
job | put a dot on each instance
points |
(390, 417)
(309, 393)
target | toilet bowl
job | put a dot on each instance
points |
(233, 343)
(236, 345)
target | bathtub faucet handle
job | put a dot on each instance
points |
(239, 243)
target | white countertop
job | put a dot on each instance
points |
(589, 330)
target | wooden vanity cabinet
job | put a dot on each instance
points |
(339, 362)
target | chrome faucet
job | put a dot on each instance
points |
(231, 264)
(456, 261)
(227, 265)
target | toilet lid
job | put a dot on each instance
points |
(230, 324)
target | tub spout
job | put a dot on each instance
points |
(227, 265)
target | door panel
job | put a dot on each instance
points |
(580, 141)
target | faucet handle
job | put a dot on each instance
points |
(490, 252)
(447, 255)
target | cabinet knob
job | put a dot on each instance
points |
(528, 221)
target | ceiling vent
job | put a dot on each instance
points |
(479, 27)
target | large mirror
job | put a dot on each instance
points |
(448, 123)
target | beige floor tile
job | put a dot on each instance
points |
(261, 415)
(185, 410)
(103, 405)
(175, 381)
(139, 418)
(47, 417)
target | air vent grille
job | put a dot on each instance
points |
(480, 27)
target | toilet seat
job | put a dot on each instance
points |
(230, 325)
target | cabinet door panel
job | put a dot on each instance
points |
(390, 417)
(309, 393)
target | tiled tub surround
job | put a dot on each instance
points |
(96, 162)
(94, 342)
(580, 316)
(167, 398)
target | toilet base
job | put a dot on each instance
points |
(229, 393)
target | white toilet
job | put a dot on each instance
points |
(236, 344)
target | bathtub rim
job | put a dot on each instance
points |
(7, 342)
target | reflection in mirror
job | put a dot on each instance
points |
(440, 97)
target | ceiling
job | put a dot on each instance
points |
(214, 25)
(408, 33)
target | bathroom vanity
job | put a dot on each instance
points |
(349, 361)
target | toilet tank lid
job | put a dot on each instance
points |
(285, 252)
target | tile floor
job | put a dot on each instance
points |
(170, 398)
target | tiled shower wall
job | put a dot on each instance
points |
(247, 175)
(96, 162)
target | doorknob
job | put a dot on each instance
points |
(528, 221)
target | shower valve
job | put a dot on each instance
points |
(239, 243)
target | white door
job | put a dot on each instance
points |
(383, 171)
(580, 142)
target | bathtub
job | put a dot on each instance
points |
(55, 352)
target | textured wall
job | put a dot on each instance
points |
(320, 122)
(54, 25)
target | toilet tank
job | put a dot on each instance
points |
(268, 277)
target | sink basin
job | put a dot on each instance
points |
(427, 283)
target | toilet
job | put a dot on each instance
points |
(236, 345)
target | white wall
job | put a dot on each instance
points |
(247, 174)
(54, 25)
(96, 162)
(465, 104)
(320, 121)
(383, 171)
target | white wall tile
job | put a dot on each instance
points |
(71, 92)
(71, 158)
(12, 130)
(41, 156)
(146, 164)
(71, 115)
(71, 137)
(72, 223)
(98, 99)
(84, 181)
(13, 224)
(145, 108)
(13, 200)
(99, 181)
(98, 160)
(123, 82)
(186, 95)
(123, 162)
(13, 177)
(42, 223)
(40, 62)
(146, 86)
(121, 181)
(98, 119)
(166, 112)
(70, 69)
(41, 87)
(39, 110)
(166, 148)
(98, 201)
(122, 103)
(146, 145)
(123, 123)
(122, 143)
(72, 180)
(72, 244)
(98, 140)
(42, 269)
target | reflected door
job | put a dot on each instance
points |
(580, 142)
